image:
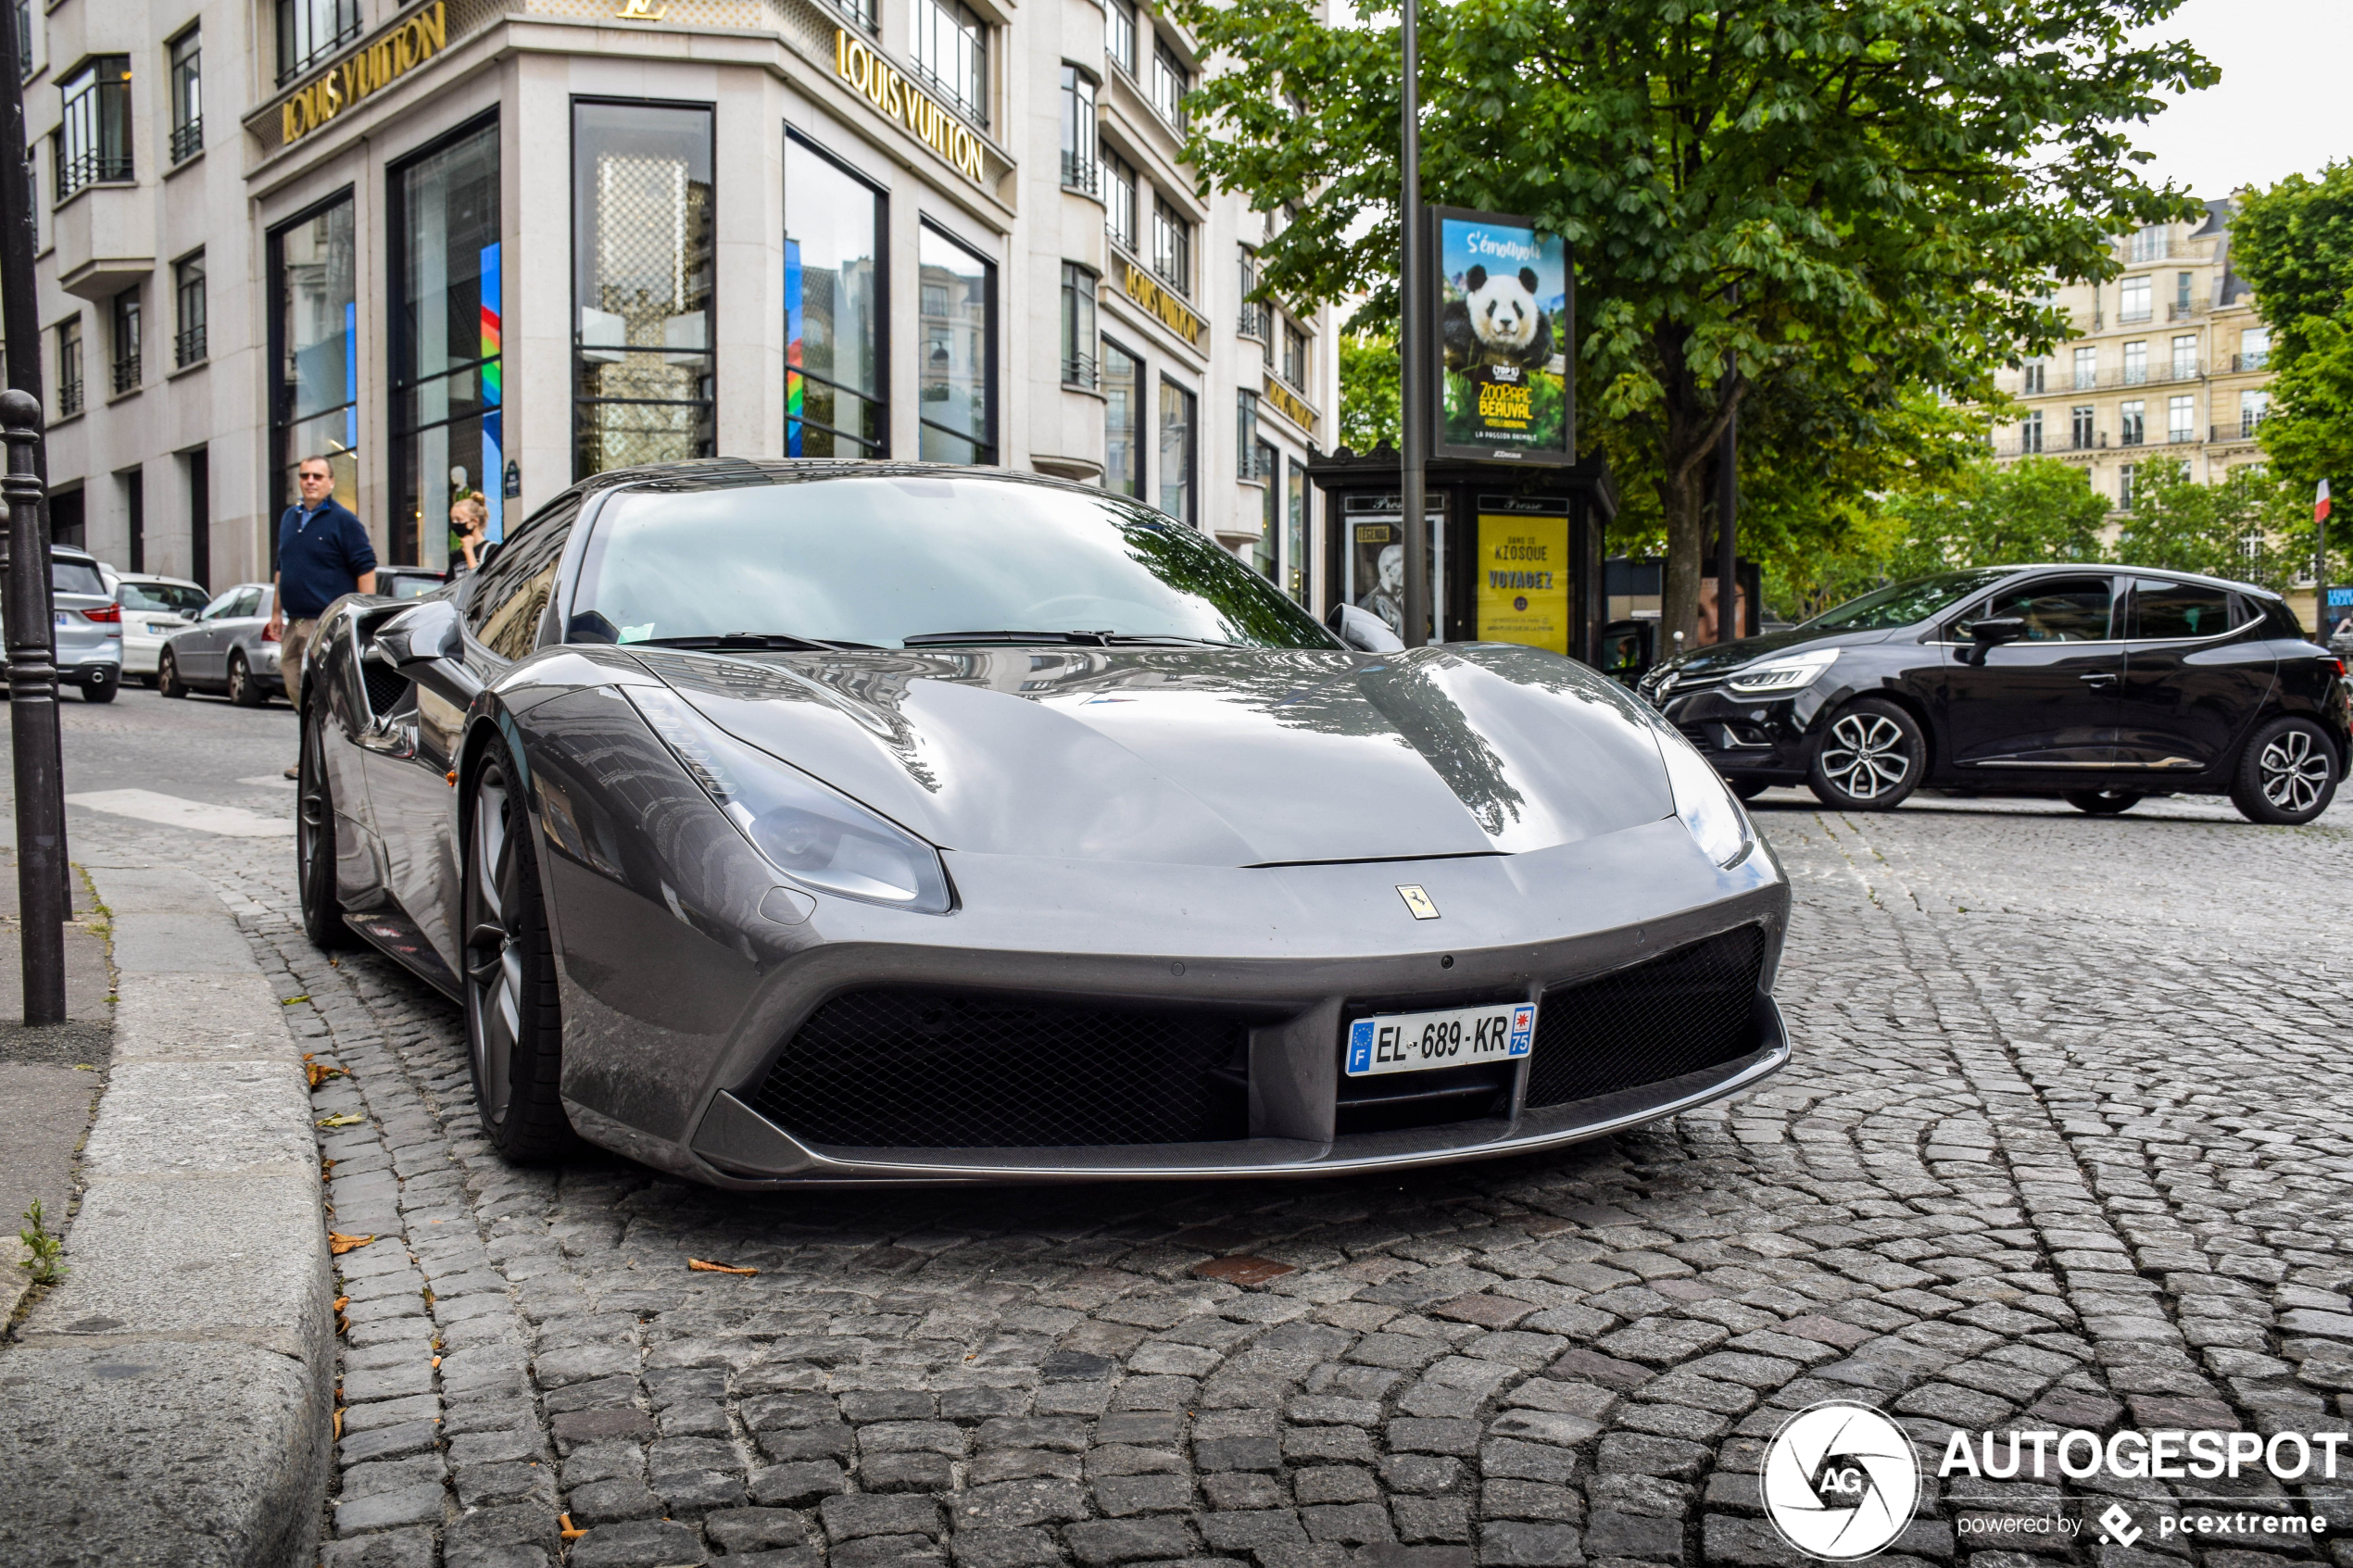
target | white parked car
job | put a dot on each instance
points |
(153, 608)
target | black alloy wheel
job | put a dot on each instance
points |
(315, 879)
(167, 680)
(242, 688)
(2103, 802)
(1870, 758)
(2286, 775)
(101, 685)
(514, 1030)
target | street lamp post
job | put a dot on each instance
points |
(1415, 387)
(33, 719)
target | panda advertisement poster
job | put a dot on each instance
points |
(1505, 325)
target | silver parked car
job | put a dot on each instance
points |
(153, 608)
(226, 650)
(89, 626)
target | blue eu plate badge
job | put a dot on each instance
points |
(1415, 1042)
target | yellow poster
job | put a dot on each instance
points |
(1523, 581)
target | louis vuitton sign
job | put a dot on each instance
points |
(367, 69)
(881, 85)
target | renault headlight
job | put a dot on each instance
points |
(1788, 673)
(817, 837)
(1718, 825)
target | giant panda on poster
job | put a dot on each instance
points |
(1497, 322)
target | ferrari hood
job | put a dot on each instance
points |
(1202, 757)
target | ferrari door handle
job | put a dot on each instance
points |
(2098, 680)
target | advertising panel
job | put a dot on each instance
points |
(1374, 567)
(1523, 583)
(1507, 324)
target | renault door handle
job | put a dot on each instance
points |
(2098, 680)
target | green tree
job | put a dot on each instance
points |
(1370, 395)
(2249, 526)
(1864, 197)
(2034, 509)
(2293, 245)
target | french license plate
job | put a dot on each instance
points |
(1415, 1042)
(160, 628)
(61, 618)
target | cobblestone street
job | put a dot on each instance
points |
(2065, 1143)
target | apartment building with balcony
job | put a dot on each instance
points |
(500, 244)
(2168, 361)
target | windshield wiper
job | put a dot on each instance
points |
(1081, 639)
(746, 641)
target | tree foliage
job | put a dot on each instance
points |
(2293, 245)
(1856, 200)
(1371, 398)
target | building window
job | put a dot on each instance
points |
(2133, 417)
(2180, 415)
(1078, 326)
(187, 96)
(69, 368)
(2031, 377)
(1172, 246)
(2087, 369)
(448, 436)
(2124, 486)
(188, 312)
(309, 31)
(2135, 300)
(1119, 36)
(2253, 407)
(1263, 549)
(22, 11)
(2185, 357)
(837, 316)
(1252, 321)
(641, 258)
(134, 515)
(2080, 418)
(1246, 442)
(2182, 293)
(1171, 82)
(2148, 244)
(1079, 163)
(1294, 357)
(126, 341)
(1177, 451)
(1119, 202)
(2136, 363)
(1295, 578)
(2029, 431)
(2254, 349)
(951, 49)
(314, 329)
(958, 407)
(93, 136)
(1123, 422)
(859, 11)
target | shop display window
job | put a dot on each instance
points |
(315, 329)
(448, 384)
(836, 314)
(958, 413)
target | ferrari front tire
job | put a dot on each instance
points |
(316, 883)
(514, 1026)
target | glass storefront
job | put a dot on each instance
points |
(958, 321)
(315, 404)
(1177, 446)
(446, 405)
(837, 310)
(1294, 579)
(643, 380)
(1123, 422)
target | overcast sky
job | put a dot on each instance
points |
(2280, 108)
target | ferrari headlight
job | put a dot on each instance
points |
(815, 836)
(1792, 672)
(1717, 823)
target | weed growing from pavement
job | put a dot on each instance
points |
(45, 1248)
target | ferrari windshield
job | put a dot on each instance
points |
(1905, 604)
(932, 560)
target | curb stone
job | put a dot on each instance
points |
(168, 1403)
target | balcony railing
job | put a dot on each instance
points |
(69, 395)
(2255, 361)
(126, 374)
(2145, 375)
(188, 347)
(78, 172)
(1078, 370)
(2125, 318)
(2180, 312)
(1081, 173)
(187, 140)
(2240, 429)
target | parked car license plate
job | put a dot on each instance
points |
(161, 628)
(1415, 1042)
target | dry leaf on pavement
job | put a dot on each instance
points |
(698, 1264)
(348, 1119)
(339, 1244)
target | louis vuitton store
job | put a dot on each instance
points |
(501, 244)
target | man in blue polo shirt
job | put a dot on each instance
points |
(323, 555)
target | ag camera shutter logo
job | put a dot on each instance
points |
(1841, 1481)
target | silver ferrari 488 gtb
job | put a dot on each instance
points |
(799, 821)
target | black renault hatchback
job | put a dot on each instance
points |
(2099, 685)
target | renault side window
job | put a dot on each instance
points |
(2178, 612)
(2054, 610)
(511, 595)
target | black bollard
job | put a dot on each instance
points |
(32, 719)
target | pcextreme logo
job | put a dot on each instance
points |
(1839, 1481)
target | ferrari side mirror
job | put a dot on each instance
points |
(1363, 631)
(427, 644)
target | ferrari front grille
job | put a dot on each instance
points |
(1682, 1011)
(908, 1069)
(385, 685)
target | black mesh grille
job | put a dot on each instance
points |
(1676, 1013)
(385, 685)
(937, 1070)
